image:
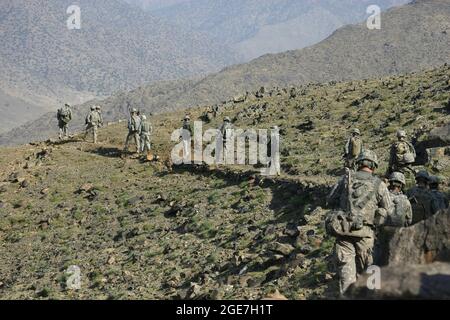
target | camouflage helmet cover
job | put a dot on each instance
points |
(356, 131)
(92, 108)
(133, 110)
(435, 180)
(368, 155)
(98, 108)
(144, 117)
(187, 117)
(227, 119)
(401, 134)
(398, 177)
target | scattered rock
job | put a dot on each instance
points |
(283, 248)
(275, 296)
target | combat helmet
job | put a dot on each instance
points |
(144, 117)
(368, 155)
(187, 117)
(401, 134)
(134, 110)
(92, 108)
(227, 119)
(98, 108)
(423, 175)
(398, 177)
(356, 131)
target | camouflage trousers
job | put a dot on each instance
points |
(63, 130)
(91, 129)
(353, 256)
(136, 138)
(145, 143)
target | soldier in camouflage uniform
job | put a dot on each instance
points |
(362, 202)
(145, 131)
(64, 116)
(353, 148)
(401, 216)
(93, 121)
(134, 123)
(422, 201)
(440, 199)
(402, 155)
(186, 136)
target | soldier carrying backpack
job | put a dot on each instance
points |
(64, 116)
(361, 202)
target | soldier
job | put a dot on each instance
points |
(92, 123)
(402, 154)
(133, 130)
(353, 148)
(64, 116)
(362, 202)
(145, 131)
(440, 199)
(422, 201)
(401, 215)
(272, 148)
(187, 136)
(227, 135)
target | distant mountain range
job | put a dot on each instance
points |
(413, 37)
(256, 27)
(118, 47)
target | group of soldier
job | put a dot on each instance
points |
(139, 127)
(363, 204)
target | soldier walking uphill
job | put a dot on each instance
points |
(134, 123)
(424, 205)
(93, 122)
(440, 199)
(361, 202)
(402, 155)
(353, 148)
(401, 215)
(145, 131)
(64, 116)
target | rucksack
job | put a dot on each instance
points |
(352, 220)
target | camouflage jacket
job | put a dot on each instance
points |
(223, 130)
(424, 205)
(366, 196)
(134, 123)
(353, 147)
(398, 150)
(440, 200)
(64, 115)
(93, 119)
(146, 128)
(401, 215)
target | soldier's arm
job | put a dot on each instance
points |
(385, 202)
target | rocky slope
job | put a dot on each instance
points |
(413, 37)
(150, 230)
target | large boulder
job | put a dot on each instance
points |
(423, 242)
(428, 281)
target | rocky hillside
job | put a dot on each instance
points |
(154, 231)
(118, 47)
(256, 27)
(413, 37)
